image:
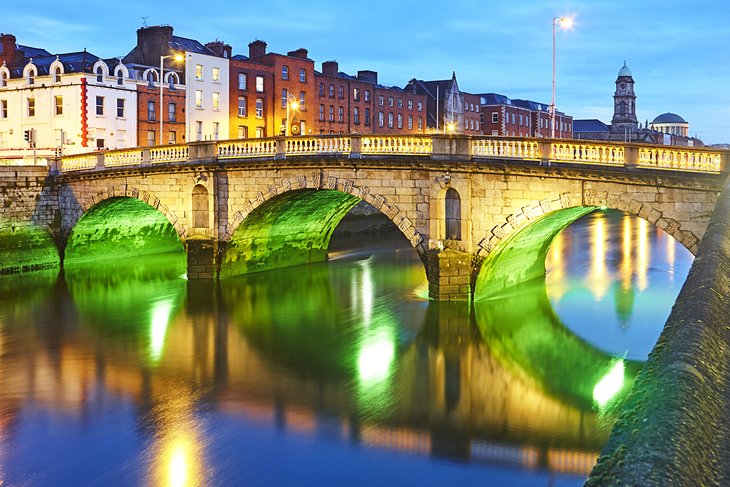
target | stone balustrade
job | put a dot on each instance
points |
(438, 147)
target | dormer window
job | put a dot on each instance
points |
(120, 77)
(99, 75)
(31, 77)
(57, 75)
(3, 80)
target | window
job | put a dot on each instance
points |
(284, 96)
(367, 116)
(99, 75)
(495, 132)
(242, 106)
(390, 101)
(410, 122)
(400, 121)
(58, 105)
(520, 119)
(172, 138)
(302, 100)
(216, 129)
(390, 120)
(198, 130)
(321, 89)
(31, 77)
(420, 123)
(259, 84)
(57, 75)
(420, 106)
(151, 110)
(198, 71)
(216, 74)
(410, 104)
(201, 213)
(150, 137)
(356, 94)
(332, 113)
(453, 215)
(100, 105)
(495, 117)
(3, 80)
(367, 95)
(171, 112)
(260, 132)
(120, 107)
(216, 101)
(242, 81)
(513, 118)
(120, 77)
(381, 100)
(199, 98)
(341, 91)
(332, 91)
(242, 132)
(285, 72)
(303, 75)
(356, 115)
(3, 108)
(260, 107)
(340, 114)
(400, 102)
(380, 119)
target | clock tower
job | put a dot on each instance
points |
(624, 120)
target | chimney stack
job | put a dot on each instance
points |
(256, 50)
(7, 42)
(300, 53)
(330, 68)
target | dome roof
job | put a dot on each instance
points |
(624, 71)
(669, 118)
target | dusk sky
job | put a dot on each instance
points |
(678, 52)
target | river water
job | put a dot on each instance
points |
(125, 373)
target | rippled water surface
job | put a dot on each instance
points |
(328, 374)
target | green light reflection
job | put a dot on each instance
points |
(610, 385)
(375, 358)
(161, 314)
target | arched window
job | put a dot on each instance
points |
(31, 77)
(151, 76)
(453, 215)
(120, 77)
(99, 74)
(200, 206)
(57, 75)
(3, 79)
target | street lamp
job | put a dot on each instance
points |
(177, 57)
(291, 101)
(564, 23)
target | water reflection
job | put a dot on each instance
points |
(147, 378)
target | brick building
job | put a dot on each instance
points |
(449, 110)
(521, 118)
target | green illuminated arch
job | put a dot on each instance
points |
(118, 228)
(26, 247)
(290, 229)
(521, 256)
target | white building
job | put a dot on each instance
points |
(206, 105)
(71, 102)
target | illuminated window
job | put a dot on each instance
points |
(216, 74)
(120, 107)
(3, 108)
(420, 123)
(410, 104)
(321, 112)
(285, 72)
(198, 71)
(199, 98)
(172, 138)
(410, 122)
(356, 94)
(356, 115)
(260, 107)
(302, 100)
(171, 112)
(367, 95)
(242, 106)
(242, 132)
(100, 105)
(242, 81)
(58, 105)
(151, 137)
(303, 75)
(216, 101)
(259, 84)
(420, 106)
(151, 110)
(260, 132)
(380, 119)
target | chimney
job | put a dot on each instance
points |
(300, 53)
(7, 42)
(369, 76)
(221, 49)
(256, 50)
(330, 68)
(153, 42)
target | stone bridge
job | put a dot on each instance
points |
(480, 211)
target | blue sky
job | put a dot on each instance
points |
(679, 52)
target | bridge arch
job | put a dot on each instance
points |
(293, 221)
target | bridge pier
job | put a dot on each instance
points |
(202, 262)
(449, 275)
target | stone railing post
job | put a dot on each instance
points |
(545, 151)
(280, 148)
(631, 157)
(203, 151)
(145, 156)
(99, 160)
(725, 161)
(355, 147)
(451, 147)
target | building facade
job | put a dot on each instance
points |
(505, 117)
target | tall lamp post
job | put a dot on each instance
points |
(177, 57)
(564, 23)
(291, 101)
